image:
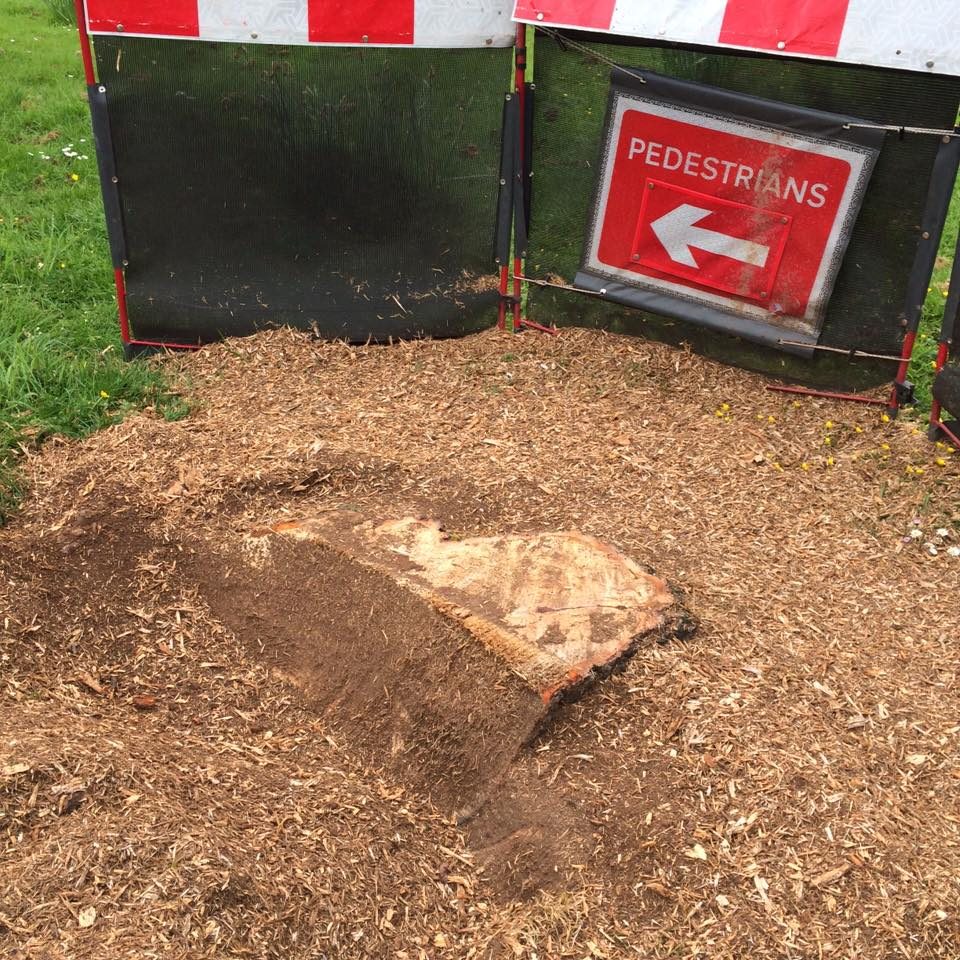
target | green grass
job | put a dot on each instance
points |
(61, 366)
(921, 369)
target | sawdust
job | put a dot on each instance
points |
(783, 785)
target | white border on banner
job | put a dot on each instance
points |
(862, 41)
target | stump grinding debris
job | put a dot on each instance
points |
(781, 786)
(441, 657)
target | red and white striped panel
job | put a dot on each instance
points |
(408, 23)
(905, 34)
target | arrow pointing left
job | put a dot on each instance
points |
(677, 231)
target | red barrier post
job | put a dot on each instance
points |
(85, 52)
(520, 77)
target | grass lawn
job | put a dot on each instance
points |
(921, 370)
(61, 369)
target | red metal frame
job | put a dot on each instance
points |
(828, 394)
(553, 331)
(948, 432)
(86, 53)
(906, 354)
(943, 351)
(504, 287)
(937, 424)
(120, 283)
(520, 81)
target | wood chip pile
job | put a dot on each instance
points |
(784, 784)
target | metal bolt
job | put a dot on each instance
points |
(503, 182)
(539, 16)
(508, 96)
(603, 291)
(365, 39)
(635, 256)
(783, 219)
(946, 138)
(253, 36)
(650, 186)
(120, 28)
(102, 89)
(114, 179)
(929, 64)
(781, 45)
(763, 294)
(126, 263)
(925, 234)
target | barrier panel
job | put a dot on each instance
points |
(832, 275)
(349, 191)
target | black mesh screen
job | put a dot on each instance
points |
(349, 191)
(867, 307)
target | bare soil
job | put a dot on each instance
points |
(410, 692)
(182, 776)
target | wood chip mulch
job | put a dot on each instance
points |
(784, 784)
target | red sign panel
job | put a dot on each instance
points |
(733, 213)
(717, 243)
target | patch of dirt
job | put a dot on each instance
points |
(778, 787)
(412, 692)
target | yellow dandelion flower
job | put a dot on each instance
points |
(827, 441)
(724, 407)
(771, 418)
(104, 395)
(884, 417)
(918, 470)
(829, 424)
(858, 429)
(940, 462)
(830, 461)
(884, 446)
(804, 466)
(796, 403)
(75, 177)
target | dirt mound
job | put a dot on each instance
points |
(777, 787)
(408, 690)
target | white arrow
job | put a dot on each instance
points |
(677, 231)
